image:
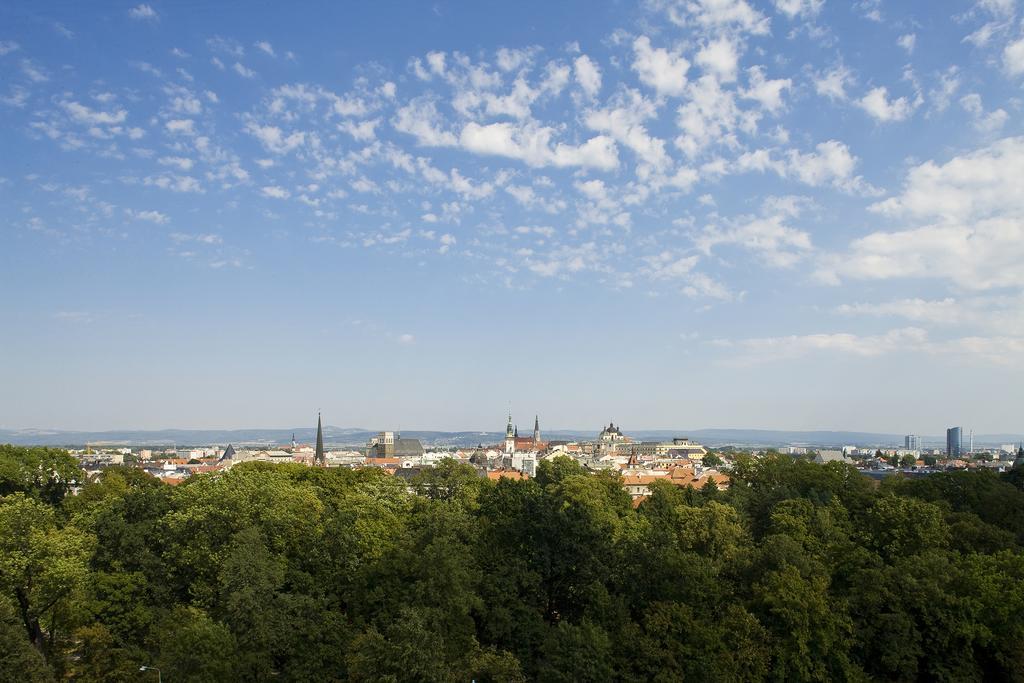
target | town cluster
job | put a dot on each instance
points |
(677, 461)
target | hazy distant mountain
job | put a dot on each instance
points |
(348, 436)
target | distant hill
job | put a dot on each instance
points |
(347, 436)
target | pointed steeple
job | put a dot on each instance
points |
(508, 428)
(228, 454)
(516, 432)
(536, 429)
(319, 458)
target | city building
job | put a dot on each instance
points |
(826, 456)
(522, 444)
(912, 442)
(678, 447)
(611, 434)
(392, 445)
(954, 442)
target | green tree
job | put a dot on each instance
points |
(46, 474)
(450, 480)
(901, 526)
(19, 661)
(43, 567)
(191, 646)
(576, 652)
(712, 459)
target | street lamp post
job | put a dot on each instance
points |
(159, 677)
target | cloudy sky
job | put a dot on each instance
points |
(682, 213)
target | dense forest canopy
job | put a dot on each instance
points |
(798, 572)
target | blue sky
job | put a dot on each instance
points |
(682, 213)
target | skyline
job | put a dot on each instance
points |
(798, 215)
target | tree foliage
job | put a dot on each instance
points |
(797, 572)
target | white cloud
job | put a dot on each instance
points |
(967, 225)
(407, 339)
(1013, 58)
(767, 92)
(144, 12)
(174, 183)
(18, 97)
(709, 117)
(33, 72)
(421, 119)
(447, 241)
(7, 47)
(949, 82)
(566, 261)
(907, 42)
(181, 126)
(532, 144)
(225, 46)
(948, 311)
(85, 115)
(702, 285)
(998, 350)
(984, 122)
(716, 15)
(364, 185)
(799, 8)
(181, 163)
(766, 349)
(878, 105)
(243, 71)
(275, 192)
(999, 8)
(721, 58)
(265, 47)
(513, 60)
(659, 68)
(588, 75)
(833, 83)
(151, 216)
(625, 123)
(274, 139)
(982, 184)
(831, 163)
(183, 101)
(668, 266)
(363, 131)
(201, 238)
(768, 236)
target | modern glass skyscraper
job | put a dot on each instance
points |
(954, 442)
(912, 442)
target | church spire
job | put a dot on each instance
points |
(319, 458)
(536, 429)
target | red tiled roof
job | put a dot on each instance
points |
(507, 474)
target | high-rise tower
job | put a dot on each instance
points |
(954, 442)
(536, 430)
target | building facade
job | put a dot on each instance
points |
(954, 442)
(392, 445)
